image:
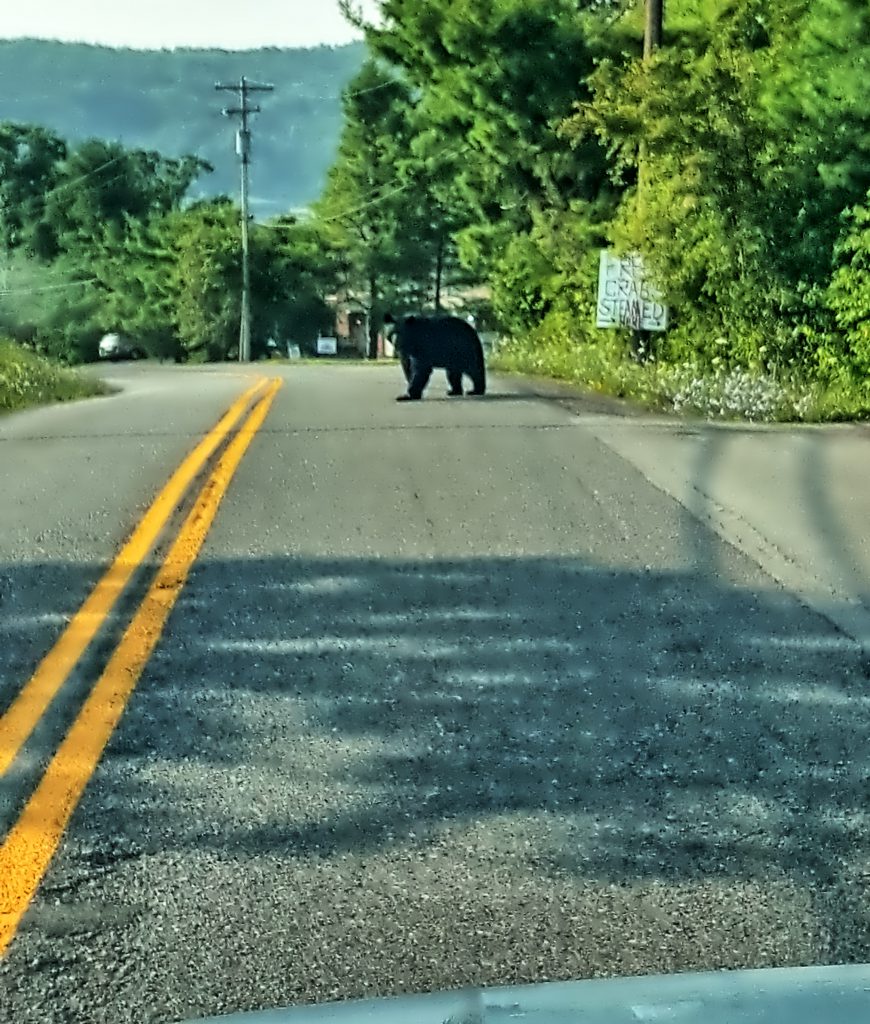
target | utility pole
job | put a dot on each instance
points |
(439, 272)
(4, 228)
(243, 89)
(652, 37)
(652, 41)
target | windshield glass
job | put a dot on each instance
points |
(433, 498)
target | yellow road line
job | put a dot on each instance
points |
(31, 843)
(40, 690)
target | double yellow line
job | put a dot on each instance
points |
(32, 841)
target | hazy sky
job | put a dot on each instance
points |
(152, 24)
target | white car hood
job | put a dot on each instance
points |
(800, 995)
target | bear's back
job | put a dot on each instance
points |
(439, 340)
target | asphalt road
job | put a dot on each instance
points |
(457, 692)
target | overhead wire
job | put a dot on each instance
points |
(84, 177)
(376, 197)
(48, 287)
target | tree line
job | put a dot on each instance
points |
(504, 143)
(97, 237)
(514, 139)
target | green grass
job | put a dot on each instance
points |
(27, 379)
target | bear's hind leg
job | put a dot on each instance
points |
(479, 382)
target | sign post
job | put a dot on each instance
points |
(626, 295)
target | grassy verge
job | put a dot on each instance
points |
(689, 389)
(27, 379)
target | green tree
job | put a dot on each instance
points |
(102, 186)
(849, 293)
(138, 285)
(204, 276)
(52, 307)
(30, 160)
(736, 213)
(362, 213)
(174, 283)
(292, 273)
(493, 78)
(118, 252)
(815, 80)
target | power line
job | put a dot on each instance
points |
(84, 177)
(366, 205)
(373, 201)
(349, 213)
(48, 287)
(364, 92)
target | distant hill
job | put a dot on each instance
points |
(165, 100)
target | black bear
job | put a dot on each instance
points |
(447, 342)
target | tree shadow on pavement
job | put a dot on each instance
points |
(649, 725)
(517, 769)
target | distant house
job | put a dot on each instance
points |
(464, 300)
(351, 320)
(351, 324)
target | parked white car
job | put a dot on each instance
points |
(115, 346)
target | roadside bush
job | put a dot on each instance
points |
(688, 387)
(849, 291)
(29, 379)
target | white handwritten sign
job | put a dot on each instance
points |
(626, 296)
(327, 346)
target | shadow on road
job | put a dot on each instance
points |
(524, 768)
(651, 725)
(839, 548)
(824, 536)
